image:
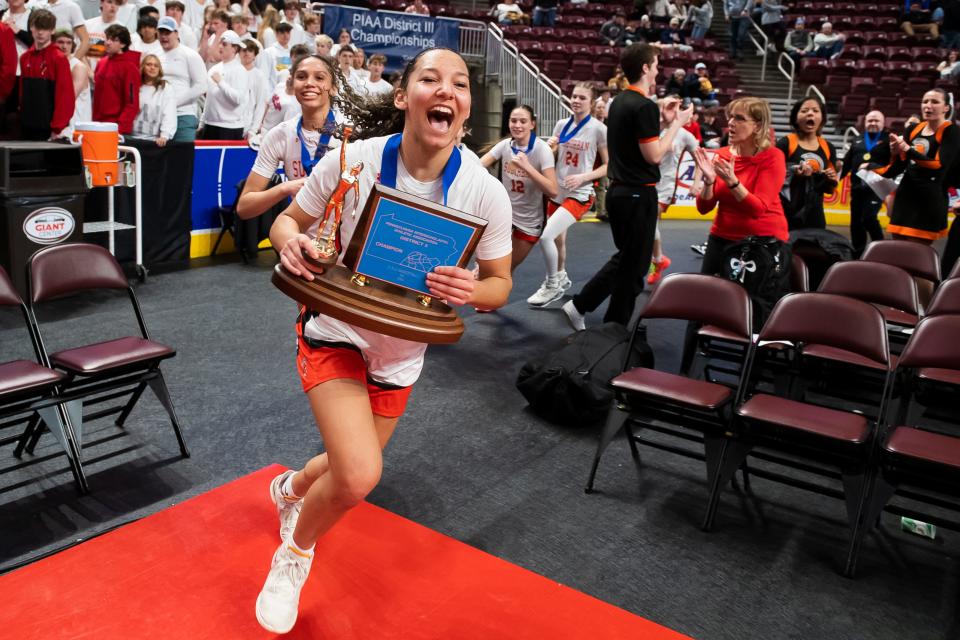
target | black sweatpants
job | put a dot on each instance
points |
(633, 222)
(864, 206)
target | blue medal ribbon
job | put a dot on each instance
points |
(323, 146)
(869, 141)
(391, 159)
(566, 137)
(533, 140)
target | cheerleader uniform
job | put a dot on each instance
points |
(920, 206)
(802, 196)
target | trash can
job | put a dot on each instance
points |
(42, 191)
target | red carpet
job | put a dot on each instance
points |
(193, 571)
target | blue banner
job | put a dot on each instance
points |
(399, 36)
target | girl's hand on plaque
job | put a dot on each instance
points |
(453, 285)
(292, 256)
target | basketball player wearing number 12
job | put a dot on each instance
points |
(636, 149)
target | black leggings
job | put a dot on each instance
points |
(863, 219)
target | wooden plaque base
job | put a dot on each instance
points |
(378, 306)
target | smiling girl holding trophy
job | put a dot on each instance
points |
(358, 380)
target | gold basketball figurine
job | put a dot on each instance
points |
(329, 246)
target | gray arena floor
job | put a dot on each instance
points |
(471, 461)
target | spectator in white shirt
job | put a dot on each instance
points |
(345, 60)
(311, 28)
(193, 12)
(239, 25)
(360, 62)
(374, 84)
(17, 17)
(149, 41)
(188, 37)
(323, 44)
(278, 54)
(185, 70)
(266, 34)
(212, 35)
(281, 106)
(227, 93)
(68, 16)
(342, 38)
(259, 90)
(418, 7)
(157, 119)
(291, 15)
(82, 79)
(291, 12)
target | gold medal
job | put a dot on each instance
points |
(866, 156)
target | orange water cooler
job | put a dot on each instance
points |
(98, 145)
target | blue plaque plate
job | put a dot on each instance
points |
(400, 238)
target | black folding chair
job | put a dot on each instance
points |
(794, 426)
(676, 405)
(101, 371)
(29, 394)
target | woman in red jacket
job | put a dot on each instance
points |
(116, 95)
(744, 179)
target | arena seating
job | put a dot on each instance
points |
(880, 66)
(572, 51)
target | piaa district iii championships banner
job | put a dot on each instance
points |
(399, 36)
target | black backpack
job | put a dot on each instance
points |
(570, 385)
(761, 265)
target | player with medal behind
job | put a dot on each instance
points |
(356, 380)
(298, 143)
(578, 140)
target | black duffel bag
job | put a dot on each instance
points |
(570, 384)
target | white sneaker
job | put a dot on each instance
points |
(565, 282)
(287, 510)
(548, 292)
(574, 317)
(279, 599)
(699, 248)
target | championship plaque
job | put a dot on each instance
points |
(399, 238)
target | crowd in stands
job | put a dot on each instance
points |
(164, 70)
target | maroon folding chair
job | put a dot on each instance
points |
(919, 456)
(799, 275)
(946, 299)
(891, 289)
(799, 425)
(104, 370)
(919, 260)
(29, 394)
(676, 405)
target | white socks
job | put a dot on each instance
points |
(287, 488)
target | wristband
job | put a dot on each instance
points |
(733, 186)
(709, 184)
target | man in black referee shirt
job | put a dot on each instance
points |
(636, 148)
